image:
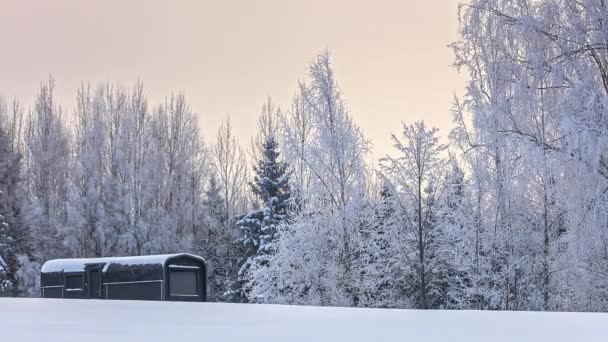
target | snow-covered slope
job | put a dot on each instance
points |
(101, 321)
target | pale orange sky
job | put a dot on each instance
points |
(390, 56)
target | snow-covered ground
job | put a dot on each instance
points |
(101, 321)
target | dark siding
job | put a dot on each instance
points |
(121, 273)
(95, 284)
(52, 292)
(134, 291)
(52, 279)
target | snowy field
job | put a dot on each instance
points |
(96, 321)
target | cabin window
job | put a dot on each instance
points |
(183, 283)
(74, 282)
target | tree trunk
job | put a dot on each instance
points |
(421, 245)
(545, 252)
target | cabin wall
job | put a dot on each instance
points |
(137, 282)
(135, 291)
(51, 285)
(185, 270)
(116, 280)
(63, 285)
(53, 291)
(123, 273)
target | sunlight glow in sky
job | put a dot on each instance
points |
(390, 56)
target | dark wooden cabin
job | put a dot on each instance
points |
(177, 277)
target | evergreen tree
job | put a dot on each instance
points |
(4, 283)
(313, 257)
(454, 243)
(15, 238)
(217, 242)
(416, 178)
(271, 187)
(379, 261)
(46, 167)
(259, 227)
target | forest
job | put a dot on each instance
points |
(509, 213)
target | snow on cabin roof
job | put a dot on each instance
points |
(79, 264)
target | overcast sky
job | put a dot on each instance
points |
(390, 56)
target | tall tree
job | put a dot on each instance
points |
(416, 178)
(328, 150)
(336, 157)
(229, 166)
(231, 175)
(297, 133)
(379, 260)
(214, 239)
(16, 249)
(271, 188)
(87, 233)
(455, 238)
(535, 98)
(5, 284)
(47, 153)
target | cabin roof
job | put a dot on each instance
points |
(79, 264)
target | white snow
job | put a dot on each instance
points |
(60, 320)
(78, 265)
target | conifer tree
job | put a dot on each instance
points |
(454, 241)
(416, 178)
(15, 238)
(4, 283)
(271, 187)
(213, 240)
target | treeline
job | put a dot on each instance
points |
(116, 177)
(511, 213)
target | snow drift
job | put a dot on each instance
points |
(97, 321)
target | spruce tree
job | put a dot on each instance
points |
(258, 227)
(15, 237)
(213, 241)
(448, 243)
(4, 242)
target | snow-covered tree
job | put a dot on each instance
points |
(184, 163)
(5, 241)
(229, 166)
(415, 177)
(271, 189)
(297, 133)
(213, 240)
(379, 262)
(455, 239)
(86, 232)
(316, 252)
(269, 126)
(227, 194)
(5, 285)
(16, 250)
(138, 174)
(47, 160)
(336, 155)
(531, 122)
